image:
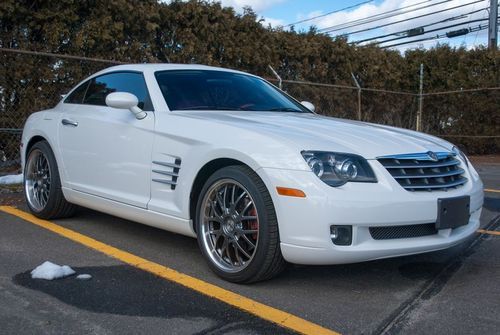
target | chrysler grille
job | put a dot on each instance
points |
(431, 171)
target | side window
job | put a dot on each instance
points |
(76, 97)
(129, 82)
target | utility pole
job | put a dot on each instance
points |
(420, 99)
(493, 25)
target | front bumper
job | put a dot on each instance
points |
(304, 223)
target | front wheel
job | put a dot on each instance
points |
(237, 227)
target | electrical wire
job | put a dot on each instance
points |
(434, 30)
(458, 17)
(411, 18)
(477, 28)
(329, 13)
(380, 16)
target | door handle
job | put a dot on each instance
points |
(67, 122)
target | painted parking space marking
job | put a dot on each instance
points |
(489, 232)
(491, 190)
(256, 308)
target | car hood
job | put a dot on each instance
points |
(307, 131)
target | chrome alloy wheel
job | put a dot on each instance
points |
(37, 180)
(229, 225)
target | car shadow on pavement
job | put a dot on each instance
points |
(124, 290)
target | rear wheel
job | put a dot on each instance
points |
(237, 227)
(42, 185)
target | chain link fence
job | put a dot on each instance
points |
(32, 81)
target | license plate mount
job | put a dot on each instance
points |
(453, 212)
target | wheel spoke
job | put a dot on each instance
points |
(214, 205)
(252, 217)
(45, 198)
(243, 251)
(39, 196)
(250, 203)
(224, 247)
(215, 218)
(224, 196)
(216, 232)
(248, 241)
(239, 198)
(249, 231)
(232, 196)
(219, 201)
(237, 254)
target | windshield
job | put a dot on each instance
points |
(220, 90)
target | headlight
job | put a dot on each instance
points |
(336, 169)
(459, 152)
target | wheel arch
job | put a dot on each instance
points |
(202, 176)
(33, 140)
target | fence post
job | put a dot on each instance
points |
(420, 98)
(359, 95)
(276, 75)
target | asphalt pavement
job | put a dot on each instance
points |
(454, 290)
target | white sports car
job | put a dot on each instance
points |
(255, 175)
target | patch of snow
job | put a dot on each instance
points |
(50, 271)
(11, 179)
(84, 276)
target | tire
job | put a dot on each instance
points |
(42, 184)
(237, 228)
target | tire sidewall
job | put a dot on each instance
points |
(233, 173)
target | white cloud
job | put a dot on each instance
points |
(257, 5)
(273, 22)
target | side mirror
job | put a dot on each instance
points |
(124, 100)
(308, 105)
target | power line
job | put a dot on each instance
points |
(329, 13)
(477, 28)
(376, 17)
(458, 17)
(411, 18)
(434, 30)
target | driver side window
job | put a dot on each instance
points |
(130, 82)
(94, 91)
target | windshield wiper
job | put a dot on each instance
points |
(284, 109)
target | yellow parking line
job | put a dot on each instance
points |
(490, 232)
(491, 190)
(263, 311)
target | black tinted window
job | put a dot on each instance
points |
(76, 97)
(221, 90)
(128, 82)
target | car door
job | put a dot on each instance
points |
(106, 151)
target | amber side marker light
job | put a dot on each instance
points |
(290, 192)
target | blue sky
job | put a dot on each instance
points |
(282, 12)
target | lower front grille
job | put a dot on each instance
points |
(393, 232)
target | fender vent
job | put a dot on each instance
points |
(167, 172)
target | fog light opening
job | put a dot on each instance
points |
(341, 235)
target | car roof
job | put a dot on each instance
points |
(163, 67)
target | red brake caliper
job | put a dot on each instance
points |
(253, 224)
